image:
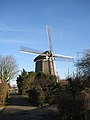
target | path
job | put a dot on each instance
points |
(19, 109)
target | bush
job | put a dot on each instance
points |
(3, 93)
(71, 110)
(33, 96)
(42, 89)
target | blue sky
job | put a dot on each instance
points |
(22, 22)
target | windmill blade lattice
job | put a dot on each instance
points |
(31, 51)
(63, 58)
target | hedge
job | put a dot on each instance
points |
(3, 93)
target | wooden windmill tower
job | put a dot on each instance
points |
(44, 62)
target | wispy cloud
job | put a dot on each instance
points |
(4, 27)
(14, 41)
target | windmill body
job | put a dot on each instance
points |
(44, 62)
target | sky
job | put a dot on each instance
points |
(23, 22)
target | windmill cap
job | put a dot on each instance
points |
(41, 57)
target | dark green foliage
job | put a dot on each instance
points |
(34, 96)
(20, 79)
(53, 94)
(24, 81)
(37, 98)
(44, 85)
(40, 87)
(26, 85)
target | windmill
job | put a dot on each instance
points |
(44, 62)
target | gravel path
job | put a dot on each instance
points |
(19, 109)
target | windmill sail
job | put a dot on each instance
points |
(63, 58)
(49, 38)
(31, 51)
(52, 64)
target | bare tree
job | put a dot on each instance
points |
(83, 64)
(8, 68)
